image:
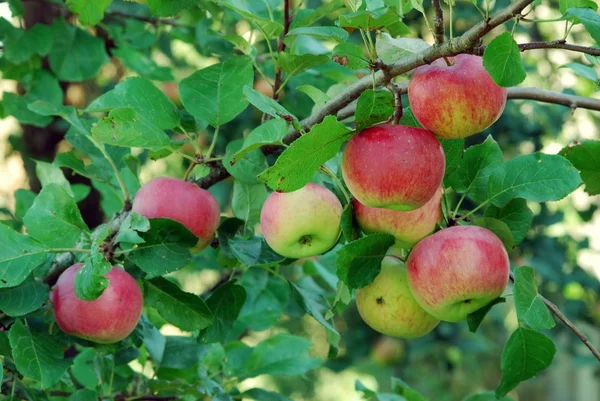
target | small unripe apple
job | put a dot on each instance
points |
(455, 101)
(301, 223)
(407, 227)
(107, 319)
(393, 166)
(170, 198)
(388, 306)
(457, 271)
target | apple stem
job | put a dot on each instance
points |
(337, 181)
(447, 60)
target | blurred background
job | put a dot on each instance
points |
(563, 244)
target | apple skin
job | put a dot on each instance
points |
(301, 223)
(393, 166)
(107, 319)
(457, 271)
(388, 306)
(455, 101)
(170, 198)
(407, 227)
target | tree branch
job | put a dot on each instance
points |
(281, 47)
(555, 44)
(438, 22)
(151, 20)
(546, 96)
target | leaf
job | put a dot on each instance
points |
(37, 355)
(17, 10)
(589, 18)
(215, 94)
(282, 355)
(68, 113)
(585, 156)
(472, 175)
(516, 215)
(373, 107)
(187, 311)
(401, 388)
(390, 49)
(83, 395)
(166, 248)
(19, 255)
(247, 167)
(247, 201)
(502, 59)
(269, 133)
(313, 16)
(23, 200)
(499, 228)
(582, 70)
(369, 20)
(331, 33)
(529, 304)
(24, 299)
(20, 45)
(486, 396)
(90, 281)
(16, 106)
(526, 353)
(350, 55)
(347, 223)
(296, 165)
(267, 105)
(142, 64)
(474, 319)
(294, 64)
(76, 55)
(50, 174)
(453, 150)
(254, 252)
(181, 353)
(54, 218)
(359, 262)
(131, 225)
(225, 303)
(536, 177)
(564, 5)
(144, 98)
(269, 28)
(90, 12)
(260, 394)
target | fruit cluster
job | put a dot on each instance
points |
(395, 175)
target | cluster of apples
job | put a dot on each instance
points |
(395, 175)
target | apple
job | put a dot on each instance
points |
(407, 227)
(393, 166)
(301, 223)
(388, 306)
(107, 319)
(457, 271)
(170, 198)
(457, 100)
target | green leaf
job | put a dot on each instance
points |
(296, 165)
(331, 33)
(390, 49)
(499, 228)
(531, 309)
(24, 299)
(242, 44)
(166, 248)
(472, 175)
(187, 311)
(351, 56)
(90, 12)
(516, 215)
(502, 59)
(20, 45)
(474, 319)
(486, 396)
(54, 218)
(585, 71)
(359, 262)
(23, 200)
(564, 5)
(294, 64)
(373, 107)
(269, 133)
(181, 353)
(269, 28)
(131, 225)
(526, 353)
(401, 388)
(225, 303)
(76, 55)
(144, 98)
(374, 20)
(254, 252)
(260, 394)
(347, 223)
(83, 368)
(267, 105)
(37, 355)
(50, 174)
(215, 94)
(16, 106)
(83, 395)
(19, 255)
(247, 167)
(453, 150)
(68, 113)
(247, 201)
(90, 281)
(536, 177)
(282, 355)
(142, 64)
(17, 10)
(313, 16)
(585, 156)
(589, 18)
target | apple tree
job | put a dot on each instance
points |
(247, 199)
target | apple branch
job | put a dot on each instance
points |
(281, 46)
(438, 22)
(555, 44)
(546, 96)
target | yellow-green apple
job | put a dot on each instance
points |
(388, 306)
(107, 319)
(457, 100)
(301, 223)
(457, 271)
(407, 227)
(170, 198)
(393, 166)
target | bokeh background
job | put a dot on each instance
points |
(563, 243)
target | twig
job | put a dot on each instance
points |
(555, 44)
(217, 173)
(398, 108)
(438, 22)
(556, 312)
(281, 47)
(151, 20)
(546, 96)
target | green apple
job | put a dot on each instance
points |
(388, 306)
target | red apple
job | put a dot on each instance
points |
(407, 227)
(457, 271)
(301, 223)
(455, 101)
(107, 319)
(393, 166)
(170, 198)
